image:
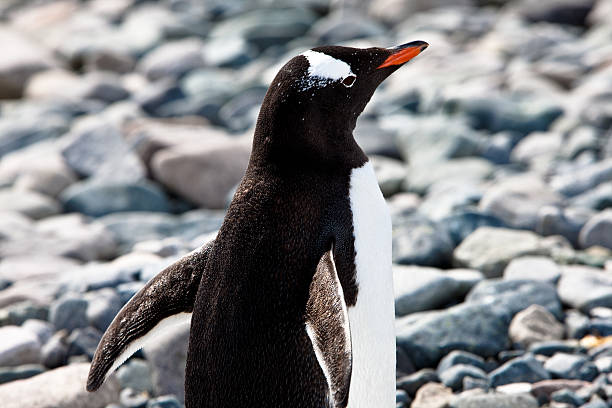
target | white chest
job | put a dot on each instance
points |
(372, 318)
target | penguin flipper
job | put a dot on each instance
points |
(165, 301)
(327, 325)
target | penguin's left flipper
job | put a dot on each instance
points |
(327, 326)
(165, 301)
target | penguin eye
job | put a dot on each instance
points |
(349, 81)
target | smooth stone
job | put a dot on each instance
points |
(596, 199)
(566, 222)
(59, 388)
(568, 397)
(537, 149)
(595, 404)
(516, 200)
(522, 369)
(266, 27)
(461, 224)
(228, 52)
(402, 397)
(83, 342)
(466, 278)
(22, 58)
(535, 324)
(604, 364)
(98, 198)
(550, 348)
(345, 25)
(96, 148)
(419, 241)
(157, 97)
(470, 383)
(219, 166)
(424, 140)
(445, 199)
(135, 374)
(18, 346)
(465, 170)
(171, 246)
(55, 351)
(168, 357)
(460, 357)
(420, 288)
(542, 390)
(479, 328)
(433, 395)
(584, 287)
(511, 297)
(498, 113)
(499, 147)
(534, 268)
(393, 12)
(152, 135)
(8, 374)
(571, 366)
(582, 179)
(19, 132)
(69, 313)
(453, 376)
(64, 85)
(68, 235)
(29, 203)
(173, 59)
(102, 307)
(556, 11)
(131, 228)
(240, 112)
(495, 400)
(411, 383)
(166, 401)
(491, 249)
(374, 140)
(17, 313)
(39, 167)
(41, 328)
(597, 231)
(390, 174)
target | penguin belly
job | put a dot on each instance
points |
(372, 317)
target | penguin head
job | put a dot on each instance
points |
(313, 103)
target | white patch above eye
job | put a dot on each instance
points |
(327, 67)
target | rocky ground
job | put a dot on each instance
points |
(125, 125)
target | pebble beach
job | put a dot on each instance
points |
(125, 126)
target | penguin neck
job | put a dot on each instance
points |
(303, 140)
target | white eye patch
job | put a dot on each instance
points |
(324, 68)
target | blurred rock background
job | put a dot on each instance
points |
(125, 126)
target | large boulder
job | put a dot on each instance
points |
(204, 172)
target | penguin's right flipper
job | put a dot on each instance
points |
(327, 325)
(165, 301)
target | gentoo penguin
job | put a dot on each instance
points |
(291, 305)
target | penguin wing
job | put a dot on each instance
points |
(327, 325)
(165, 301)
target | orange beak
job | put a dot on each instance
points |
(404, 53)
